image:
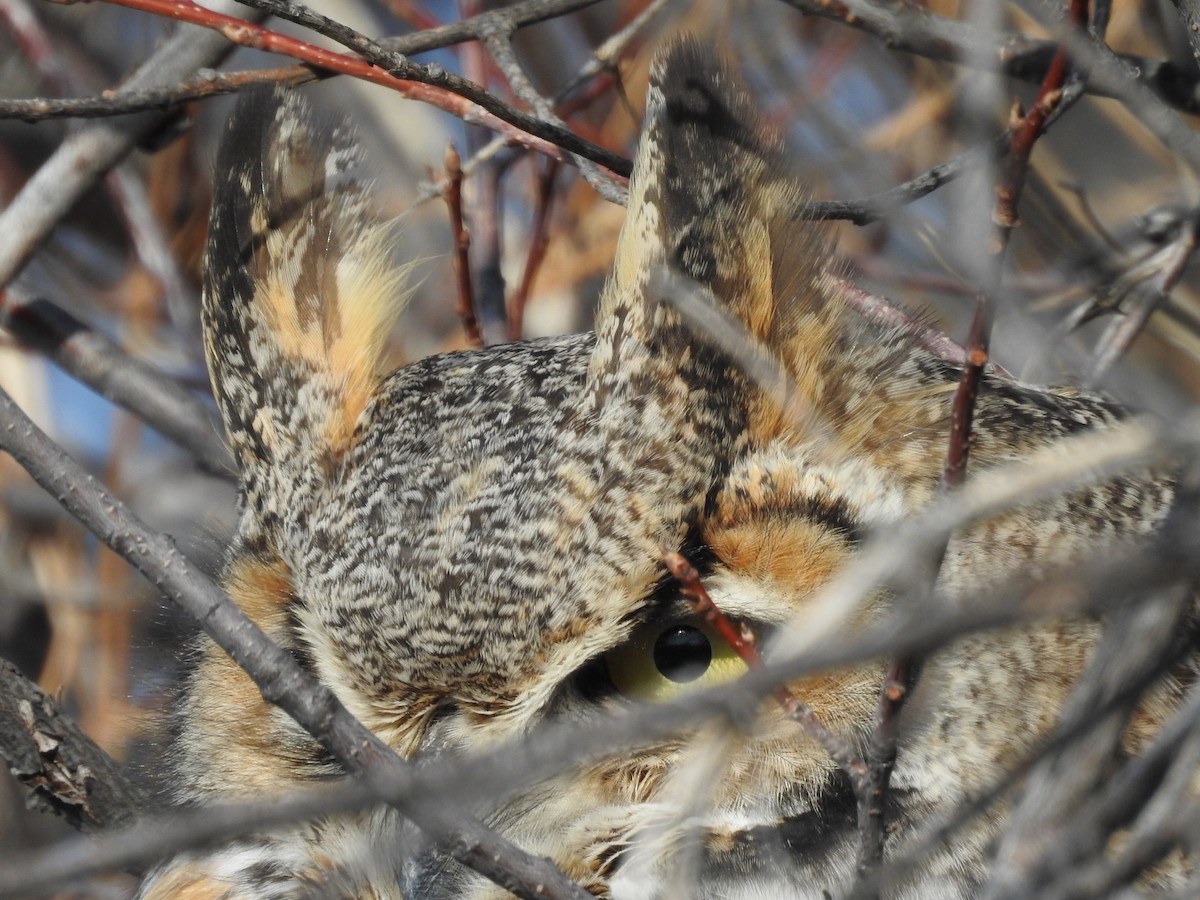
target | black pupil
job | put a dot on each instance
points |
(682, 653)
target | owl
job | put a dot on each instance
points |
(472, 546)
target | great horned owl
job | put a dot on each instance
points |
(473, 545)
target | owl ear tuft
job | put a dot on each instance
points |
(711, 202)
(300, 291)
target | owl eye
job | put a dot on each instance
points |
(663, 659)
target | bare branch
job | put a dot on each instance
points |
(1165, 268)
(276, 672)
(99, 363)
(62, 768)
(915, 30)
(462, 247)
(428, 83)
(90, 152)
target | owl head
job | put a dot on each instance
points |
(473, 546)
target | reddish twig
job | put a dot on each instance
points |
(898, 682)
(34, 43)
(742, 640)
(454, 95)
(538, 241)
(962, 410)
(462, 248)
(484, 193)
(1026, 129)
(1029, 128)
(904, 670)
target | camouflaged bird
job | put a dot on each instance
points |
(471, 546)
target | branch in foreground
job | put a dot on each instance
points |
(88, 153)
(922, 33)
(878, 206)
(825, 644)
(429, 83)
(553, 749)
(201, 85)
(102, 365)
(1141, 641)
(276, 672)
(1129, 786)
(63, 769)
(744, 643)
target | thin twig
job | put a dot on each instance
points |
(962, 409)
(744, 643)
(86, 354)
(85, 155)
(878, 206)
(500, 46)
(539, 239)
(567, 101)
(1030, 128)
(1025, 132)
(428, 83)
(913, 29)
(197, 87)
(605, 57)
(1167, 265)
(153, 248)
(462, 248)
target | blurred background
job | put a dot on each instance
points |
(1102, 216)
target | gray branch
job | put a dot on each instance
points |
(102, 365)
(276, 673)
(63, 769)
(84, 156)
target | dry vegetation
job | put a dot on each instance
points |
(99, 267)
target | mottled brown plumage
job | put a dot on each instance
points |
(458, 547)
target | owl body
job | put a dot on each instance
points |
(471, 546)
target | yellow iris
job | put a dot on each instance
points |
(662, 660)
